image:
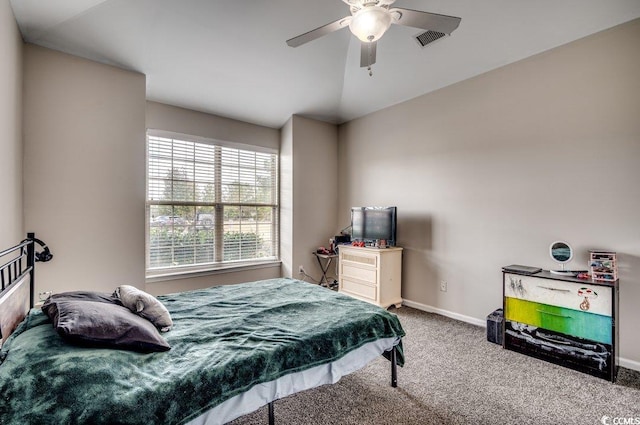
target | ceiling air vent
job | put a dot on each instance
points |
(429, 37)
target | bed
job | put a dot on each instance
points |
(234, 349)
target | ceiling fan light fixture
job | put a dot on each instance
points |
(370, 23)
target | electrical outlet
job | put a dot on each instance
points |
(301, 270)
(443, 285)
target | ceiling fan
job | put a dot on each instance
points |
(370, 19)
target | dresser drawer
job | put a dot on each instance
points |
(568, 321)
(587, 356)
(560, 293)
(355, 271)
(360, 257)
(359, 289)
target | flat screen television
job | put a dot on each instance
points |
(371, 224)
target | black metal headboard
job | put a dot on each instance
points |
(16, 267)
(19, 262)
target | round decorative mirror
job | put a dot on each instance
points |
(561, 253)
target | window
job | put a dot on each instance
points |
(210, 204)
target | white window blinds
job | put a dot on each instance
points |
(209, 205)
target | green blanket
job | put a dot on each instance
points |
(225, 340)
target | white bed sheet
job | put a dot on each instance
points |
(263, 394)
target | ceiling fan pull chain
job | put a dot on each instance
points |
(370, 72)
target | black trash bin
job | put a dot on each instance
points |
(494, 327)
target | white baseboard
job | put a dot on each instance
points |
(626, 363)
(446, 313)
(629, 364)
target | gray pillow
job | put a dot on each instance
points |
(145, 305)
(102, 324)
(102, 297)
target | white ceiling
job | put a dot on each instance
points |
(229, 57)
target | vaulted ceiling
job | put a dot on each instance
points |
(229, 57)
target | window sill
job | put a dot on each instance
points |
(188, 274)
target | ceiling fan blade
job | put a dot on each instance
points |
(425, 20)
(368, 54)
(319, 32)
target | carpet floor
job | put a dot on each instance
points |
(453, 375)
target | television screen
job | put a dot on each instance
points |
(374, 223)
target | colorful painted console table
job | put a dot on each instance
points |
(564, 320)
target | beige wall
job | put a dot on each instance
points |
(179, 120)
(84, 174)
(488, 172)
(11, 222)
(213, 279)
(308, 193)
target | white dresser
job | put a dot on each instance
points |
(371, 274)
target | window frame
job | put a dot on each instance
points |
(222, 266)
